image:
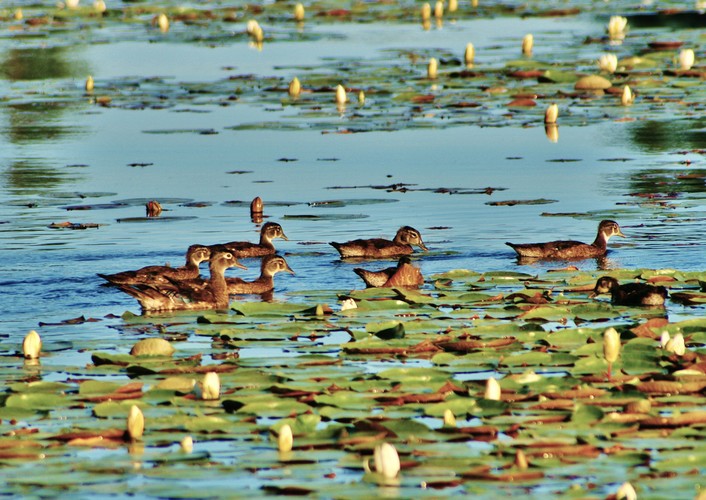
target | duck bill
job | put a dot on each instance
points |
(239, 265)
(289, 270)
(620, 233)
(284, 237)
(423, 246)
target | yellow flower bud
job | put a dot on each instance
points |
(341, 96)
(187, 444)
(492, 389)
(387, 461)
(433, 68)
(469, 55)
(163, 23)
(611, 345)
(299, 12)
(686, 59)
(439, 9)
(551, 113)
(453, 5)
(626, 492)
(527, 44)
(426, 12)
(89, 84)
(211, 386)
(608, 63)
(295, 88)
(449, 418)
(135, 423)
(31, 345)
(285, 439)
(627, 97)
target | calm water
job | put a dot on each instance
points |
(85, 154)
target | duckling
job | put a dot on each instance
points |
(269, 231)
(403, 275)
(271, 265)
(212, 296)
(380, 248)
(570, 249)
(631, 294)
(159, 274)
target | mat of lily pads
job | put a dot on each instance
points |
(385, 371)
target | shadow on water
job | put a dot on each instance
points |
(41, 64)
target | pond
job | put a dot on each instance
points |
(199, 119)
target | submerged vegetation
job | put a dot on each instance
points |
(482, 383)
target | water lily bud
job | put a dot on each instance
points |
(686, 59)
(89, 84)
(285, 440)
(626, 492)
(433, 68)
(492, 389)
(676, 345)
(135, 422)
(251, 27)
(295, 88)
(72, 4)
(551, 113)
(439, 9)
(611, 345)
(341, 97)
(99, 6)
(426, 12)
(299, 12)
(527, 44)
(348, 304)
(31, 345)
(664, 339)
(453, 5)
(616, 27)
(449, 418)
(19, 15)
(211, 386)
(187, 444)
(470, 54)
(163, 23)
(474, 3)
(361, 97)
(521, 460)
(608, 63)
(627, 96)
(387, 461)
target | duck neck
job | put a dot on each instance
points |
(219, 288)
(601, 241)
(265, 241)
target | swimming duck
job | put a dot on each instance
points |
(379, 248)
(570, 249)
(630, 294)
(269, 231)
(195, 255)
(404, 274)
(271, 265)
(212, 296)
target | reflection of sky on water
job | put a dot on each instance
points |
(88, 149)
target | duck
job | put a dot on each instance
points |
(631, 294)
(401, 245)
(271, 265)
(213, 296)
(404, 274)
(268, 232)
(195, 255)
(570, 249)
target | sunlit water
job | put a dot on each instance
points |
(101, 155)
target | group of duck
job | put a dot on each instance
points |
(165, 288)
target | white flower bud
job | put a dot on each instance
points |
(492, 389)
(31, 345)
(135, 423)
(611, 345)
(211, 386)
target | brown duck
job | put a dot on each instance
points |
(212, 296)
(268, 232)
(404, 274)
(380, 248)
(630, 294)
(570, 249)
(195, 255)
(271, 265)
